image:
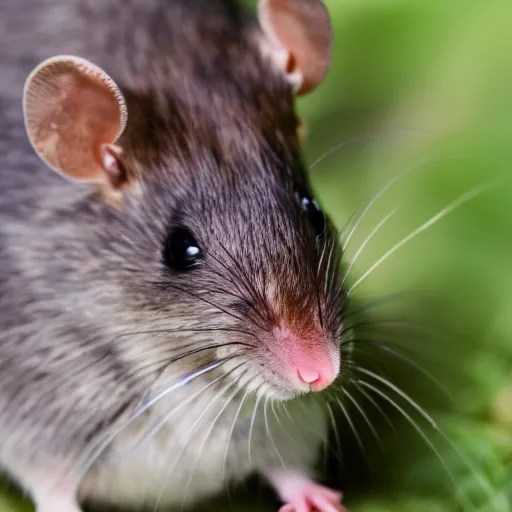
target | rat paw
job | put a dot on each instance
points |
(303, 495)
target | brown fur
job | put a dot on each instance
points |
(211, 144)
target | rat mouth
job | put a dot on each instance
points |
(283, 365)
(272, 381)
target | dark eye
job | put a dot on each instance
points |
(315, 214)
(181, 251)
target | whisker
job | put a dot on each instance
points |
(321, 259)
(328, 267)
(335, 430)
(283, 427)
(365, 243)
(402, 394)
(202, 299)
(353, 428)
(198, 350)
(415, 326)
(232, 428)
(375, 404)
(483, 481)
(185, 330)
(272, 406)
(287, 413)
(322, 438)
(248, 280)
(249, 289)
(334, 273)
(365, 416)
(208, 434)
(472, 194)
(191, 434)
(259, 396)
(269, 434)
(407, 360)
(364, 138)
(411, 421)
(170, 414)
(367, 208)
(377, 302)
(98, 449)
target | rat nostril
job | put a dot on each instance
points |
(308, 376)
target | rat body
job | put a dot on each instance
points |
(186, 235)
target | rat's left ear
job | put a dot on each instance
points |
(300, 33)
(74, 115)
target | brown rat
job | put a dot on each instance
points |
(178, 232)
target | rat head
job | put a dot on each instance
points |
(205, 228)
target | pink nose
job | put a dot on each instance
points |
(316, 380)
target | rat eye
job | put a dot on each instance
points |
(181, 250)
(315, 214)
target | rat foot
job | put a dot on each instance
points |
(301, 494)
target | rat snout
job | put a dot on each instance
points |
(316, 371)
(309, 363)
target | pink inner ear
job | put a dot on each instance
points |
(89, 119)
(302, 27)
(69, 115)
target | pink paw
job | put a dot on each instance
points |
(303, 495)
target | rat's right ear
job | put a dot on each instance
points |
(74, 113)
(300, 35)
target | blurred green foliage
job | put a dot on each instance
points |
(424, 87)
(427, 89)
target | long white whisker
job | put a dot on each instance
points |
(328, 268)
(191, 434)
(421, 433)
(352, 427)
(472, 194)
(283, 427)
(272, 405)
(363, 138)
(322, 438)
(321, 259)
(271, 439)
(376, 405)
(364, 244)
(364, 415)
(407, 360)
(92, 455)
(334, 428)
(206, 437)
(484, 482)
(156, 428)
(399, 392)
(288, 414)
(251, 426)
(237, 413)
(367, 208)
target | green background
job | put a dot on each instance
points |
(425, 87)
(429, 82)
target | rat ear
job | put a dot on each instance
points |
(74, 113)
(301, 33)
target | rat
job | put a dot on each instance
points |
(157, 223)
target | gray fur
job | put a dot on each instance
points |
(211, 140)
